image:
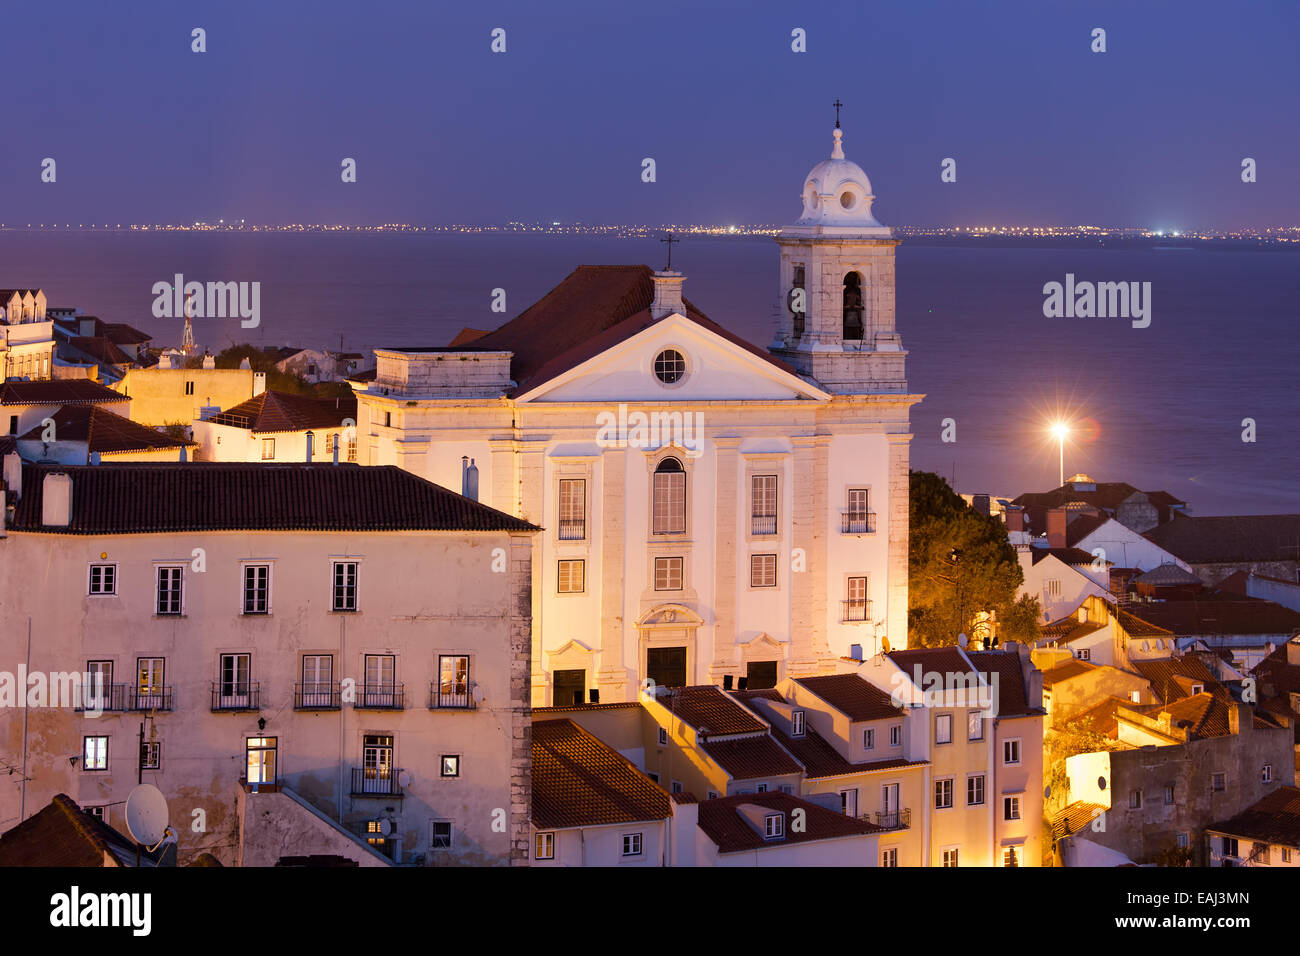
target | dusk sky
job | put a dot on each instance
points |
(1150, 133)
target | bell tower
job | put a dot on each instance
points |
(836, 309)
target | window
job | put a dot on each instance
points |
(1135, 800)
(94, 753)
(1230, 846)
(889, 856)
(103, 579)
(950, 857)
(669, 498)
(849, 802)
(943, 728)
(189, 388)
(450, 765)
(784, 788)
(381, 680)
(1084, 654)
(440, 835)
(797, 723)
(763, 504)
(151, 755)
(569, 577)
(169, 589)
(760, 788)
(318, 681)
(234, 687)
(856, 606)
(544, 846)
(453, 680)
(858, 518)
(268, 449)
(150, 693)
(974, 725)
(1259, 851)
(670, 366)
(573, 509)
(852, 298)
(388, 419)
(762, 570)
(98, 691)
(975, 790)
(1183, 841)
(1219, 782)
(260, 759)
(99, 813)
(1266, 775)
(1010, 808)
(1286, 854)
(677, 786)
(663, 737)
(1053, 588)
(631, 844)
(668, 574)
(1010, 856)
(773, 826)
(869, 738)
(942, 794)
(377, 763)
(352, 446)
(345, 586)
(1011, 752)
(1169, 795)
(1198, 689)
(896, 736)
(257, 589)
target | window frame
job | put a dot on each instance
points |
(1011, 742)
(265, 589)
(538, 837)
(668, 573)
(268, 445)
(636, 841)
(976, 781)
(763, 501)
(433, 835)
(1011, 806)
(567, 504)
(178, 589)
(663, 517)
(939, 784)
(101, 757)
(753, 558)
(564, 575)
(345, 588)
(111, 591)
(942, 720)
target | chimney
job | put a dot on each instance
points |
(468, 478)
(336, 448)
(311, 439)
(668, 295)
(86, 327)
(209, 361)
(56, 500)
(259, 383)
(1014, 516)
(14, 473)
(1056, 528)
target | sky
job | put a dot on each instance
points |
(1152, 132)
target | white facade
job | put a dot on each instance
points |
(1059, 587)
(1125, 548)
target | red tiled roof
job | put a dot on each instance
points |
(1201, 715)
(707, 709)
(1100, 719)
(1212, 614)
(944, 660)
(1071, 556)
(723, 824)
(281, 412)
(1109, 496)
(1166, 575)
(1066, 670)
(65, 391)
(1230, 538)
(852, 696)
(1136, 626)
(1164, 676)
(1081, 527)
(152, 497)
(748, 758)
(1069, 629)
(63, 834)
(103, 431)
(1272, 819)
(1011, 680)
(821, 759)
(616, 705)
(593, 309)
(580, 782)
(1077, 816)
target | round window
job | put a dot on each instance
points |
(670, 366)
(847, 199)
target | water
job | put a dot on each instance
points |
(1160, 407)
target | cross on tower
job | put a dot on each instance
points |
(670, 240)
(837, 104)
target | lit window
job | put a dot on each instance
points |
(544, 847)
(94, 753)
(1010, 857)
(950, 857)
(450, 765)
(260, 759)
(889, 856)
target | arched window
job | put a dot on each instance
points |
(853, 306)
(669, 498)
(798, 302)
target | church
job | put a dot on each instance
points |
(714, 511)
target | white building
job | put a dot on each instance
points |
(711, 508)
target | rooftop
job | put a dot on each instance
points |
(1230, 538)
(722, 822)
(282, 412)
(63, 834)
(852, 696)
(1273, 819)
(103, 431)
(69, 391)
(710, 711)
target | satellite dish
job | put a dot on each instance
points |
(962, 640)
(404, 779)
(146, 814)
(884, 644)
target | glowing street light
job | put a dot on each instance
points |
(1059, 431)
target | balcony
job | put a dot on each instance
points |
(153, 698)
(317, 695)
(762, 524)
(376, 782)
(575, 530)
(892, 820)
(857, 522)
(236, 696)
(109, 698)
(855, 610)
(381, 697)
(453, 696)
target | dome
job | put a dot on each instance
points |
(838, 193)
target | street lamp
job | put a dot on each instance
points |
(1059, 431)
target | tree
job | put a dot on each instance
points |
(960, 563)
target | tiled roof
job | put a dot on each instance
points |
(1071, 556)
(723, 824)
(1136, 626)
(1164, 676)
(1277, 680)
(616, 705)
(103, 431)
(1109, 495)
(1069, 629)
(821, 759)
(1230, 538)
(1077, 816)
(1081, 527)
(281, 412)
(1100, 718)
(1272, 819)
(1011, 680)
(579, 782)
(852, 696)
(1071, 668)
(1202, 715)
(1167, 574)
(707, 709)
(592, 310)
(748, 758)
(67, 391)
(152, 497)
(63, 834)
(944, 660)
(1212, 614)
(101, 349)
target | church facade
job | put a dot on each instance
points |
(714, 511)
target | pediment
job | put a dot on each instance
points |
(669, 615)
